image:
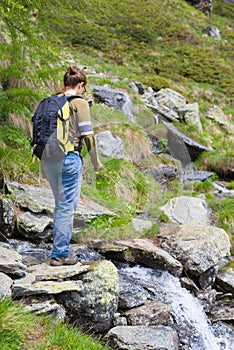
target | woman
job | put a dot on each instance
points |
(65, 175)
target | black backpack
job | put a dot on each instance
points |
(50, 127)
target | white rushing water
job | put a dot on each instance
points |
(187, 313)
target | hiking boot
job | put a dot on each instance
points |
(71, 259)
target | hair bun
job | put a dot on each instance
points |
(72, 70)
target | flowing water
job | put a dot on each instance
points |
(187, 314)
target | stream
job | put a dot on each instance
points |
(187, 315)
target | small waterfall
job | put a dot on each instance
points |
(188, 317)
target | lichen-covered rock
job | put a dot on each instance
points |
(40, 199)
(153, 313)
(94, 307)
(143, 338)
(6, 219)
(45, 279)
(196, 246)
(184, 209)
(11, 263)
(143, 251)
(5, 285)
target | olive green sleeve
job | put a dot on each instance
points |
(92, 149)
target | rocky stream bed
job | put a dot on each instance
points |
(166, 293)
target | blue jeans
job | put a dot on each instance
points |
(64, 177)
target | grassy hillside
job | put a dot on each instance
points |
(159, 43)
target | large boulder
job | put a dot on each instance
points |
(143, 338)
(11, 263)
(95, 305)
(144, 251)
(110, 145)
(38, 201)
(114, 99)
(198, 247)
(184, 210)
(182, 147)
(88, 292)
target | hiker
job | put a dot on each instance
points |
(65, 175)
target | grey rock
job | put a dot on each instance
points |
(141, 225)
(225, 280)
(138, 87)
(6, 219)
(164, 112)
(86, 254)
(40, 200)
(222, 190)
(163, 173)
(143, 338)
(182, 147)
(213, 31)
(190, 113)
(11, 263)
(196, 176)
(170, 98)
(223, 310)
(35, 227)
(114, 98)
(143, 251)
(5, 285)
(110, 145)
(202, 5)
(196, 246)
(45, 304)
(95, 305)
(130, 295)
(184, 209)
(207, 278)
(215, 113)
(118, 320)
(153, 313)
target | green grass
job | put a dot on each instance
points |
(23, 330)
(16, 154)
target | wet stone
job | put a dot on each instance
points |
(143, 337)
(130, 295)
(151, 314)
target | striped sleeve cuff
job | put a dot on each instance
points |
(86, 128)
